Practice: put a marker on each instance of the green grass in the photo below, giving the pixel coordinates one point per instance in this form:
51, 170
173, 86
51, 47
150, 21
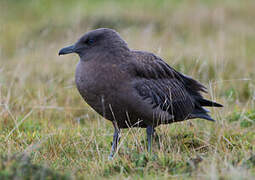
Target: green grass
43, 117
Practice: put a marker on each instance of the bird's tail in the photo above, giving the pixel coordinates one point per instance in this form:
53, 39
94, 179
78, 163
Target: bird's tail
205, 102
201, 113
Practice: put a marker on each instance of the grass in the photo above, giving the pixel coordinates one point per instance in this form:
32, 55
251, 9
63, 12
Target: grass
43, 117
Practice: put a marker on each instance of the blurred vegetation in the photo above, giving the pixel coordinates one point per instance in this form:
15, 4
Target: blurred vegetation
20, 167
43, 116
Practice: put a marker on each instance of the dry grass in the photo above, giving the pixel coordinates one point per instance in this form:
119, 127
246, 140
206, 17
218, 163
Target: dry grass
43, 116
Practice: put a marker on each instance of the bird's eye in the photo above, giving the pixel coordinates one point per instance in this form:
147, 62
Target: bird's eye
89, 41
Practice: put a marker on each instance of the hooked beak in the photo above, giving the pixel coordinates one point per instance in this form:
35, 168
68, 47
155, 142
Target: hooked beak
67, 50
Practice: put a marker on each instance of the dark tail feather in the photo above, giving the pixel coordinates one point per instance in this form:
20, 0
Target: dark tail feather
201, 113
205, 102
203, 116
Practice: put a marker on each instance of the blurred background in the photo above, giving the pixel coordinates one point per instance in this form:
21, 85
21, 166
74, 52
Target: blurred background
211, 40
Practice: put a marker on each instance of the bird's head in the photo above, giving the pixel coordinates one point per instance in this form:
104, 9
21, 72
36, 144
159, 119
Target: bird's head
97, 41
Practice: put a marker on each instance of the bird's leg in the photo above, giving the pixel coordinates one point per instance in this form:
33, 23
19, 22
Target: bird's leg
150, 132
114, 142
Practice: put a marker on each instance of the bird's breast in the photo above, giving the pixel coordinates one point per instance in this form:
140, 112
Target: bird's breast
99, 85
93, 77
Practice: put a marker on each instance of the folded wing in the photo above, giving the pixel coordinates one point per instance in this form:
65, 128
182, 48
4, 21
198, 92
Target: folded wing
169, 90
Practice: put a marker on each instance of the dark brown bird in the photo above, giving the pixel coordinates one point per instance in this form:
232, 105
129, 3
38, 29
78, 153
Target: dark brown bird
133, 88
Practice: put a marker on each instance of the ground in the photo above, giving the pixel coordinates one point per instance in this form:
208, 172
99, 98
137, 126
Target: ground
47, 130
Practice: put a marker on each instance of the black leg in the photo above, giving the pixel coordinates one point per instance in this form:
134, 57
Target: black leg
114, 143
150, 132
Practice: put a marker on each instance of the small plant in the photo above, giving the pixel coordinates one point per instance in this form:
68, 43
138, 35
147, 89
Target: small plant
246, 119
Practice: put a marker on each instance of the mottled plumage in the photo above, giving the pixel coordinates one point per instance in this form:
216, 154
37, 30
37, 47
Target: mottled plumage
133, 88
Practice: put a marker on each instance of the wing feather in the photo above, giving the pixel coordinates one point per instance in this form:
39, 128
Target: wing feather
166, 88
168, 95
